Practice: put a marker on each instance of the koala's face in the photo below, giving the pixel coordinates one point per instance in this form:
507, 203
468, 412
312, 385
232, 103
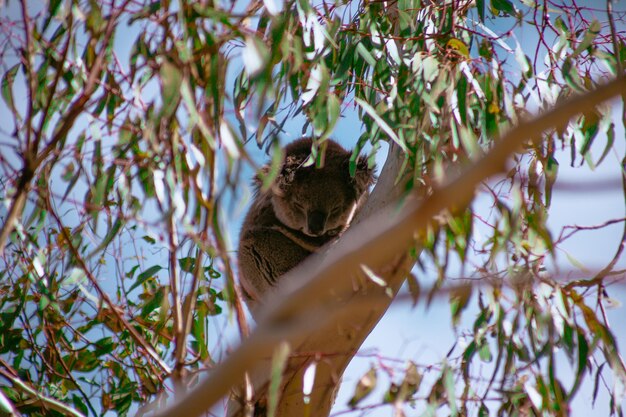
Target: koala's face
320, 202
316, 205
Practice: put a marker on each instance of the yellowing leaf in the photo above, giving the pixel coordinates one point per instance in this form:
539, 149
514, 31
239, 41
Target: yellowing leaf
458, 46
171, 79
364, 387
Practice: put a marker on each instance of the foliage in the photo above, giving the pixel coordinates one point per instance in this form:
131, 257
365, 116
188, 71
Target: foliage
123, 151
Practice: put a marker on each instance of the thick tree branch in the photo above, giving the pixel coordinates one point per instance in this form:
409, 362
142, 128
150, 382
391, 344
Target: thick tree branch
376, 241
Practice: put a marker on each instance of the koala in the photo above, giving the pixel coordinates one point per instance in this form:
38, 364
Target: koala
305, 209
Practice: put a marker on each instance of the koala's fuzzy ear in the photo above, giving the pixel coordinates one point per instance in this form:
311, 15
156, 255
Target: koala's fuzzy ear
364, 175
288, 172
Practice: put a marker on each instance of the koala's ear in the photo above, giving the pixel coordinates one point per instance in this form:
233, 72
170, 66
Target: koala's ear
287, 172
364, 175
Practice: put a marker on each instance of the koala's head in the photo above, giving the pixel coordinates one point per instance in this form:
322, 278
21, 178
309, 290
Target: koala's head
319, 201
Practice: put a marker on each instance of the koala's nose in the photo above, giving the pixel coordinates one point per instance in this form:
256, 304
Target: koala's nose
316, 221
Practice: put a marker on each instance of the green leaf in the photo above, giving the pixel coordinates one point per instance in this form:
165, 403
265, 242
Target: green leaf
414, 288
279, 362
53, 9
550, 171
571, 76
596, 383
269, 173
333, 109
132, 271
213, 274
78, 403
484, 352
364, 387
561, 26
304, 7
461, 95
199, 333
449, 385
594, 29
105, 346
459, 298
95, 22
575, 262
504, 6
76, 276
153, 302
468, 354
589, 130
480, 5
148, 273
111, 234
430, 68
609, 60
610, 136
148, 11
583, 356
365, 54
68, 172
342, 72
44, 302
524, 62
381, 123
187, 264
469, 142
86, 361
7, 87
171, 80
149, 239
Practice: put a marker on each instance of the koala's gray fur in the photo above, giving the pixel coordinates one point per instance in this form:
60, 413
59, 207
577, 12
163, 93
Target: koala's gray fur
303, 210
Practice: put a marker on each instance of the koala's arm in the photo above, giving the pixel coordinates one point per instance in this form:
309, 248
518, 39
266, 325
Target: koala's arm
311, 244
